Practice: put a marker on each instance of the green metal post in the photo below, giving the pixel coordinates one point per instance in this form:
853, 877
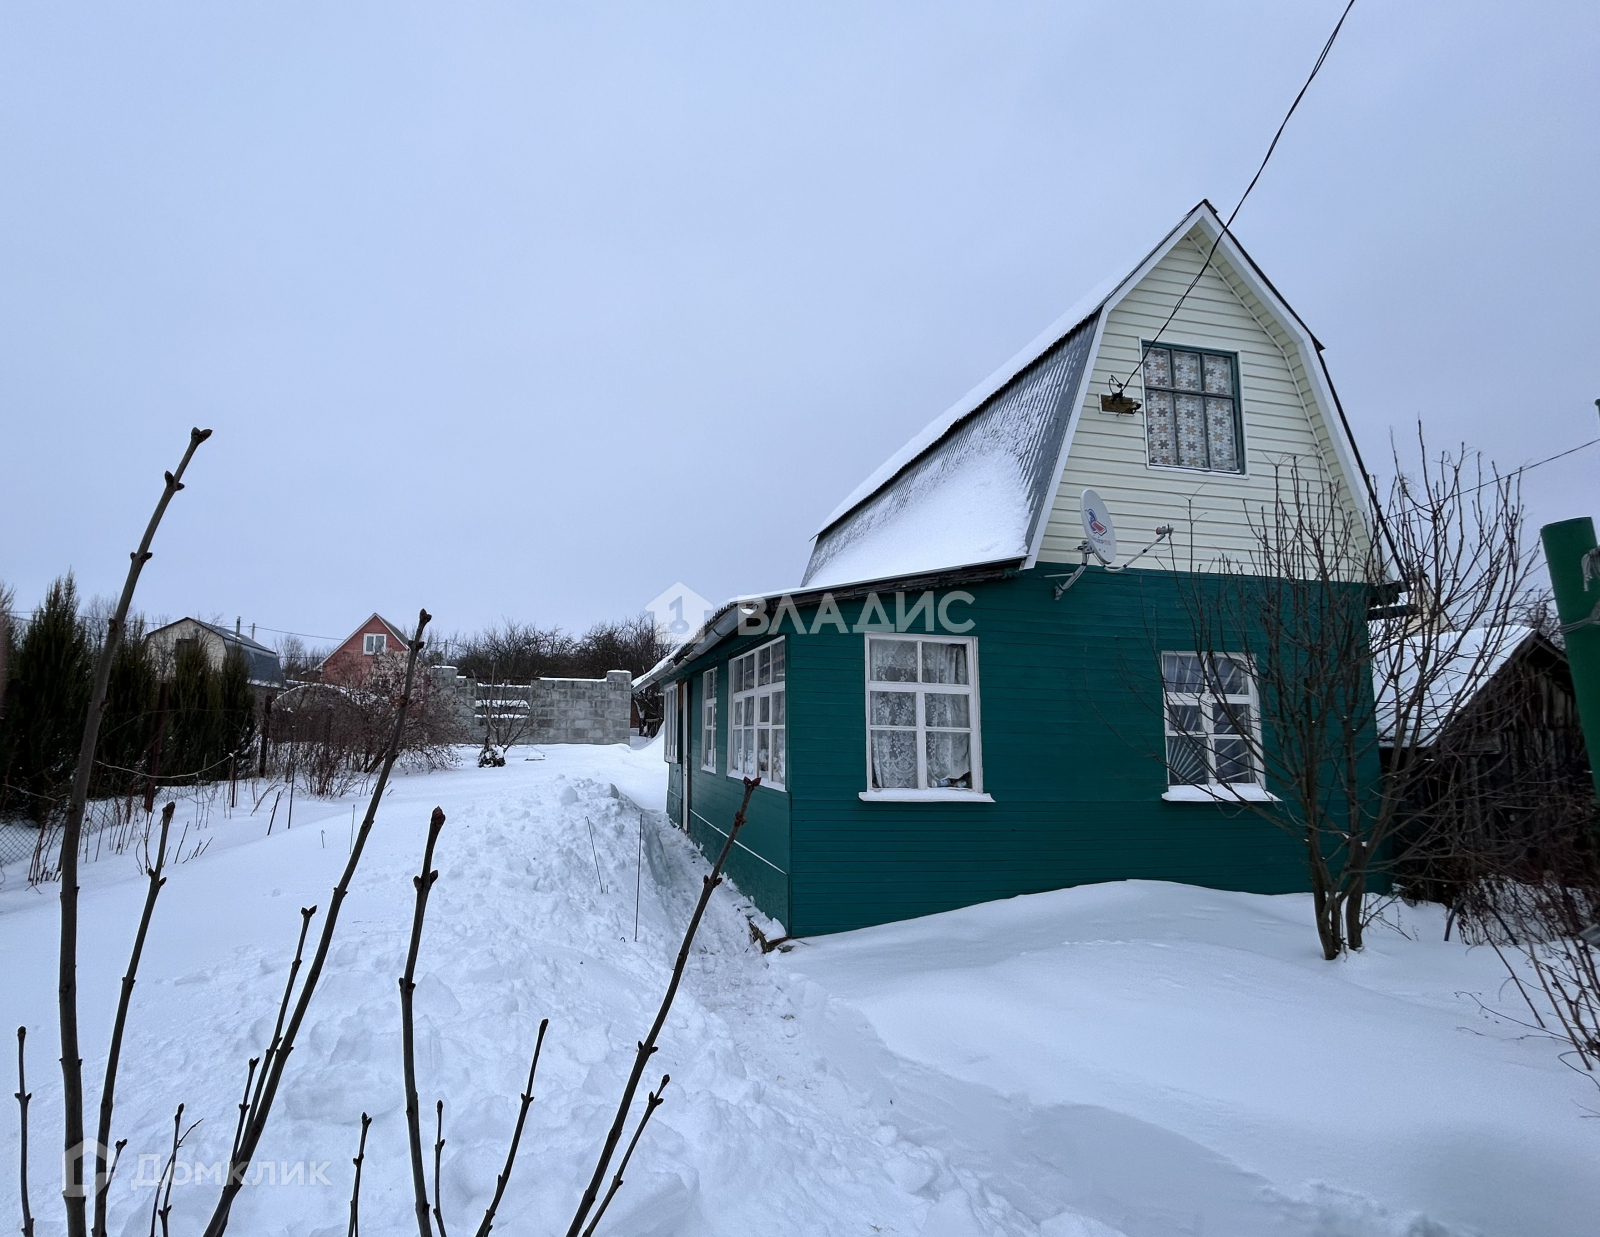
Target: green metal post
1569, 552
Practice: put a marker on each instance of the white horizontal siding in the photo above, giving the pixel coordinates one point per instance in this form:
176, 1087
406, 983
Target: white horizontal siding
1283, 423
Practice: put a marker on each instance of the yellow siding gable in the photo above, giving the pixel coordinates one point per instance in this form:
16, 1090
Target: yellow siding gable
1284, 422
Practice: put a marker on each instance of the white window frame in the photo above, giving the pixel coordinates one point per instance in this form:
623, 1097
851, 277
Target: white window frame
669, 724
747, 702
1218, 714
922, 792
708, 720
373, 643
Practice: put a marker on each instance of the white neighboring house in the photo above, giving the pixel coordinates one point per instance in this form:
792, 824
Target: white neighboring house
261, 663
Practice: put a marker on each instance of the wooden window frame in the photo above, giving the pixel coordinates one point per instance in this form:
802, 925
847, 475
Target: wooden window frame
1145, 347
670, 721
373, 643
743, 701
708, 720
923, 792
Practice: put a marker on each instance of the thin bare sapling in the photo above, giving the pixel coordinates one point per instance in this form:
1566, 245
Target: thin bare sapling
73, 1189
23, 1096
108, 1088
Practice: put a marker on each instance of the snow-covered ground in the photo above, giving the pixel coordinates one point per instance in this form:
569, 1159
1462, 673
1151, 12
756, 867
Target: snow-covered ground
1135, 1058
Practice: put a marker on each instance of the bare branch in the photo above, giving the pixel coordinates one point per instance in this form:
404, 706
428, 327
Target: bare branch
355, 1188
23, 1096
119, 1024
516, 1137
438, 1151
423, 883
71, 837
652, 1102
273, 1071
647, 1046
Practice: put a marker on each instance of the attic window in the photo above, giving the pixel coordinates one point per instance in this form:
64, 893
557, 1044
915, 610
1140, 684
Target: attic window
1191, 409
373, 643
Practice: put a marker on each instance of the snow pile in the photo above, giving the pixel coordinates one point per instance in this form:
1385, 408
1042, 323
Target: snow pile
1168, 1059
1133, 1059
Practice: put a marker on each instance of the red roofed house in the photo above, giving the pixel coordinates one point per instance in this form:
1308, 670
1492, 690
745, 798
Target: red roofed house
351, 664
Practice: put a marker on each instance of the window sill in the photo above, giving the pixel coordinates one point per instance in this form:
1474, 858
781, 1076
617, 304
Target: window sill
1240, 792
774, 786
942, 795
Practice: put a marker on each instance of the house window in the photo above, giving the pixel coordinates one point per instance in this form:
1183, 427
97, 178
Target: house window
669, 723
372, 643
922, 715
708, 721
758, 729
1191, 409
1213, 720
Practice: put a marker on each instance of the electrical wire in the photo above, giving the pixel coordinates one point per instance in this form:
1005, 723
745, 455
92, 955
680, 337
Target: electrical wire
1228, 223
1530, 467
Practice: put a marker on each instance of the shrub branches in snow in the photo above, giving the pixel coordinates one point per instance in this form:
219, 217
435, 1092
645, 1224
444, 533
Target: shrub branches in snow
355, 1186
408, 987
71, 1062
504, 1178
272, 1070
108, 1088
587, 1208
23, 1096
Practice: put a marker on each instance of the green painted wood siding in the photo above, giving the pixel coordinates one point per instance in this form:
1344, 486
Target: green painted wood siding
1073, 755
759, 864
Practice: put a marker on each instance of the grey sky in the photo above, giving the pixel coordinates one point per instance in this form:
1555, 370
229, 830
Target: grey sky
530, 312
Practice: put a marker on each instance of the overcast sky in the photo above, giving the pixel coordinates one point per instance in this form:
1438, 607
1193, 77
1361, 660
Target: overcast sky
524, 311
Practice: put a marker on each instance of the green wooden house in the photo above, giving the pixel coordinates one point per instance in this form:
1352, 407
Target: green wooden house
935, 721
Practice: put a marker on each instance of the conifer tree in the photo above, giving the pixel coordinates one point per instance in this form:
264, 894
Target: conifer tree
195, 728
130, 718
46, 704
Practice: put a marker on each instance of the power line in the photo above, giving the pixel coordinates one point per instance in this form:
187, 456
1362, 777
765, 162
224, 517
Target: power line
1530, 467
1228, 223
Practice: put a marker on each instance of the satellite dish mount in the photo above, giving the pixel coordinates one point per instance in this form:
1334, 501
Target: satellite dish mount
1100, 540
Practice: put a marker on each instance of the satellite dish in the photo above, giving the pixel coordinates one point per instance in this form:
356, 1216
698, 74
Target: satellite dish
1098, 530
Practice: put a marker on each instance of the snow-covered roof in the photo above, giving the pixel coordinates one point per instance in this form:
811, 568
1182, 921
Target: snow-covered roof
1460, 665
977, 497
976, 484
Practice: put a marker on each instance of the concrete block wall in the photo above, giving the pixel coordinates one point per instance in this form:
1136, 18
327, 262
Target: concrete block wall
563, 710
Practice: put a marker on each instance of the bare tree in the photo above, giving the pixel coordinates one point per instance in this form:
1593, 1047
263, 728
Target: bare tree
506, 711
1327, 659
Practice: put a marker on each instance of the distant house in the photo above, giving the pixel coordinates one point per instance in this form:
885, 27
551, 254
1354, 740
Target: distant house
261, 663
1505, 750
936, 720
351, 663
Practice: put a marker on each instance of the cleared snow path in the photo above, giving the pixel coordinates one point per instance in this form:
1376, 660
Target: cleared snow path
758, 1135
1137, 1059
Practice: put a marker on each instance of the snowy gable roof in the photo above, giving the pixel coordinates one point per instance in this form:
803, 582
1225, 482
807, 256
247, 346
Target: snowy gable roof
975, 492
975, 486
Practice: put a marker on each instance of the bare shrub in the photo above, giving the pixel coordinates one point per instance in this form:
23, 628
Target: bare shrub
1361, 629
